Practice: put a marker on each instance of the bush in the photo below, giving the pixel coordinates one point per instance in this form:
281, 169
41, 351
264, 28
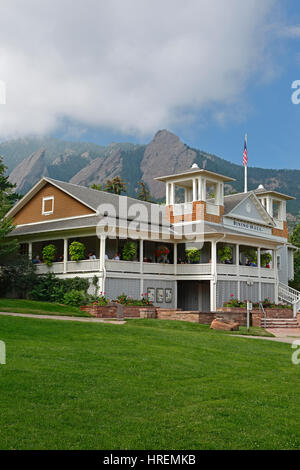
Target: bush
17, 277
49, 288
49, 252
77, 251
75, 298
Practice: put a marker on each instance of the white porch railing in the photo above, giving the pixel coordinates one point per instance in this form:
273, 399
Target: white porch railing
134, 267
196, 269
122, 266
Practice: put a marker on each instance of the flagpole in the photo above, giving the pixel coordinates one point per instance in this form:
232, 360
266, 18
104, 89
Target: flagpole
246, 168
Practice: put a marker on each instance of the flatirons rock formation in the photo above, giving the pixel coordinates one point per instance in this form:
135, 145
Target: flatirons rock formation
29, 171
165, 155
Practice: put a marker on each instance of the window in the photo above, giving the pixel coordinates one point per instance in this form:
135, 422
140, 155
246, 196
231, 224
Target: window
48, 205
278, 262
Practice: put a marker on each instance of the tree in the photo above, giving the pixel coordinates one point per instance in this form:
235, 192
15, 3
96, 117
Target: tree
295, 240
144, 193
115, 186
8, 197
97, 187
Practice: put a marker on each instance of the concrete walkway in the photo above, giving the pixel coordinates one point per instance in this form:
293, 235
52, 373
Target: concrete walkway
282, 335
61, 317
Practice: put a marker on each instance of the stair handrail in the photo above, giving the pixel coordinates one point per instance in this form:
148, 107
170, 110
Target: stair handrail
265, 314
291, 290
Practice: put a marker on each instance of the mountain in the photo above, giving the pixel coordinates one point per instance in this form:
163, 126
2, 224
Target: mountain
87, 163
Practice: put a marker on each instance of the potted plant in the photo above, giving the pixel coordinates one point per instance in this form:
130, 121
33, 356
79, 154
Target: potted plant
225, 254
76, 251
193, 255
266, 259
49, 252
162, 254
129, 252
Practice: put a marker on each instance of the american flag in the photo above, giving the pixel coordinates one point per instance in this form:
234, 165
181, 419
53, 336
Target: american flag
245, 154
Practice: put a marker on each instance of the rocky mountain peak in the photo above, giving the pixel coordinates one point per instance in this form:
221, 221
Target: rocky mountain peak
29, 171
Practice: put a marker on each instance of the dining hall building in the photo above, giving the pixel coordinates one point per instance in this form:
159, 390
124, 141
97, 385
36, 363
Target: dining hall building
239, 241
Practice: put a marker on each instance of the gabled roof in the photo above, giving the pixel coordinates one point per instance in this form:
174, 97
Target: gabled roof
232, 202
91, 198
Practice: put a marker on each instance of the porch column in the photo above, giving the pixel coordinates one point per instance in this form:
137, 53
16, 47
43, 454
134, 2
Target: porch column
102, 264
167, 194
213, 282
102, 253
172, 196
30, 250
276, 276
259, 273
175, 259
195, 198
141, 266
199, 189
66, 254
237, 255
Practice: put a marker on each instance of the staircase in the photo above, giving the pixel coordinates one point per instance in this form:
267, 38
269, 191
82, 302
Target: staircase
289, 295
280, 323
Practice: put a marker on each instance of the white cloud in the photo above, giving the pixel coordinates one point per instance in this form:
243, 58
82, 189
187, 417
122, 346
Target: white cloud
129, 65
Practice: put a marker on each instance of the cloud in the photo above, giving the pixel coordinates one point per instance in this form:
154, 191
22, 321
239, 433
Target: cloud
129, 65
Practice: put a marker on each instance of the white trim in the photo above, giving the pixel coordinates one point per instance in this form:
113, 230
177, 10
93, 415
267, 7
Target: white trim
45, 199
259, 206
57, 220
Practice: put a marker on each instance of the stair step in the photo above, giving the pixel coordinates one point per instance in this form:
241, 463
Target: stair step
280, 323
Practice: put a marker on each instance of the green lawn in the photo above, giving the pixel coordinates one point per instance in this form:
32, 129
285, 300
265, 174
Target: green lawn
147, 384
39, 308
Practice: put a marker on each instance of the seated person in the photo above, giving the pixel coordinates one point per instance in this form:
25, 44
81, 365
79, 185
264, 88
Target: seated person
36, 260
116, 257
91, 256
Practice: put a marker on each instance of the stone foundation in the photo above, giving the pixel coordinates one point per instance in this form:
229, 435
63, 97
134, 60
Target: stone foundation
115, 310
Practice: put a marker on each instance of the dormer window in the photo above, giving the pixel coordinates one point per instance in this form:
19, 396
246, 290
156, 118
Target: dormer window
48, 205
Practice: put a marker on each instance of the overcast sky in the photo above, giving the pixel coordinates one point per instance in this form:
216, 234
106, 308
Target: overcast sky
122, 69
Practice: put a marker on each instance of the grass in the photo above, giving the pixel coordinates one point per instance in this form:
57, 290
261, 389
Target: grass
254, 331
39, 308
147, 384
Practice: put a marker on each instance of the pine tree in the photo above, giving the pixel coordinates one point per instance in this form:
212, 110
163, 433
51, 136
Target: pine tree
8, 197
115, 186
144, 193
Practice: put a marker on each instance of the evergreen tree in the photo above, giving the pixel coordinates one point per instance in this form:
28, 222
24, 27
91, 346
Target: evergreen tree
8, 197
295, 240
144, 193
115, 186
97, 187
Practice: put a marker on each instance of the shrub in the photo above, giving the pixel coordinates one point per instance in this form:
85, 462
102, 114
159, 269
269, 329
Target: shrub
75, 298
129, 252
49, 252
193, 255
18, 277
49, 288
77, 251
